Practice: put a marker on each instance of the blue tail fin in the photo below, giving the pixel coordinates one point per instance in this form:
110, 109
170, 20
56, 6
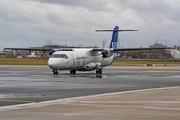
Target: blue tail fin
114, 40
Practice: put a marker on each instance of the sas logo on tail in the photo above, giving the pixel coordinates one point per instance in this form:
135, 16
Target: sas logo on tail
114, 44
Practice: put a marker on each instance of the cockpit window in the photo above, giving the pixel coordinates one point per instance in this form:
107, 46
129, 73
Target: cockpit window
65, 56
59, 56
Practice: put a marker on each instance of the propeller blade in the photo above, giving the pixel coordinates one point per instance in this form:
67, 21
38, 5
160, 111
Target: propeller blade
103, 44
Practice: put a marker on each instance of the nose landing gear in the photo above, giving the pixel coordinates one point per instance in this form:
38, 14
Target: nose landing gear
55, 72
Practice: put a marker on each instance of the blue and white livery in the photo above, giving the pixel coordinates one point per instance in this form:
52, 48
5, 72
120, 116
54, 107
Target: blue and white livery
85, 59
89, 59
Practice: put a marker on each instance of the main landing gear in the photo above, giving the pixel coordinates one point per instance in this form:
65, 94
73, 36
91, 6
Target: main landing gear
72, 72
55, 72
98, 71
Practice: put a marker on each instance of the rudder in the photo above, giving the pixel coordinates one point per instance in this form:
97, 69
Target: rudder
114, 40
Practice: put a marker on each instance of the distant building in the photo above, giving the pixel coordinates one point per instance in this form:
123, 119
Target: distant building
2, 54
175, 52
148, 54
158, 46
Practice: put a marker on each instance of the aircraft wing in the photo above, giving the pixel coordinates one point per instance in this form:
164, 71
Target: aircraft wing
30, 49
40, 49
131, 49
94, 49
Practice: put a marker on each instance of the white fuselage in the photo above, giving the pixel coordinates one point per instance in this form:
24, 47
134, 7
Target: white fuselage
78, 59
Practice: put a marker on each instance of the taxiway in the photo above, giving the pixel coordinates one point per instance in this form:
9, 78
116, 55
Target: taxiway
130, 93
31, 84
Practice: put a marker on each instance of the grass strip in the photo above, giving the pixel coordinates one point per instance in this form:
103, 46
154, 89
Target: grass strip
23, 61
39, 61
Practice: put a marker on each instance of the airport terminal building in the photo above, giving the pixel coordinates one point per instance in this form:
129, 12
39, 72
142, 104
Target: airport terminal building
148, 54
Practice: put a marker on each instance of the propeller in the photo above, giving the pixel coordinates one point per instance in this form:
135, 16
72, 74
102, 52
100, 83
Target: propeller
105, 51
103, 44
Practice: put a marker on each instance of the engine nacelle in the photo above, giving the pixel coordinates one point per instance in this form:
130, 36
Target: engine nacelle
106, 53
92, 66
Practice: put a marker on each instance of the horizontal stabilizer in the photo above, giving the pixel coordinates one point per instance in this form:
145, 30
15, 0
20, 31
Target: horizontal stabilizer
114, 30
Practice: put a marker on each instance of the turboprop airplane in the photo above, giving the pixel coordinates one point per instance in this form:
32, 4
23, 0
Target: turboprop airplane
89, 59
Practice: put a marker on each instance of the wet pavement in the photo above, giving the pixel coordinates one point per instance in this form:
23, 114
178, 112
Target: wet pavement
127, 93
30, 84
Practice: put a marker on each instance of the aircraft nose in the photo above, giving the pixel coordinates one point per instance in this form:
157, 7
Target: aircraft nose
52, 63
58, 64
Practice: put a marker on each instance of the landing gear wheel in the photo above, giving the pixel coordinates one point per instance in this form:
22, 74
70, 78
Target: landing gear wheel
55, 72
98, 71
72, 72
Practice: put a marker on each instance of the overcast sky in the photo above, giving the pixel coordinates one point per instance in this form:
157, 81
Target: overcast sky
27, 23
